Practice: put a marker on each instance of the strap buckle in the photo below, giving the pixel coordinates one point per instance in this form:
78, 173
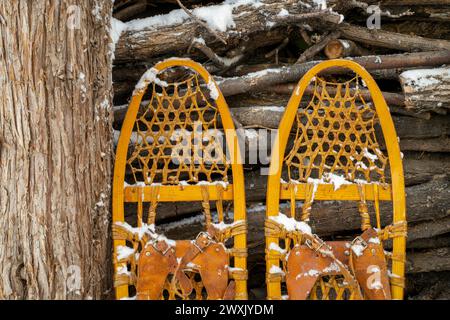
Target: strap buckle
359, 241
310, 244
201, 235
154, 244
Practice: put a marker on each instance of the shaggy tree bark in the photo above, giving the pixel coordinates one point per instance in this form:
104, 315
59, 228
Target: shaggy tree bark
55, 149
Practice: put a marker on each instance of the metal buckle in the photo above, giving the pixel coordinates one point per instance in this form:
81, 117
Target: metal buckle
200, 235
360, 241
154, 244
321, 243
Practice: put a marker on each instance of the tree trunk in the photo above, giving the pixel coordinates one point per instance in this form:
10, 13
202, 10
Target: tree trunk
55, 149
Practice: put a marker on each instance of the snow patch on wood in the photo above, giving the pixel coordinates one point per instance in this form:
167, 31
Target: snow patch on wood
290, 224
150, 76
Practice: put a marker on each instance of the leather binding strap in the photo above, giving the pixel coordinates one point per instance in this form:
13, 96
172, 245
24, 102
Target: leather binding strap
368, 264
198, 246
363, 209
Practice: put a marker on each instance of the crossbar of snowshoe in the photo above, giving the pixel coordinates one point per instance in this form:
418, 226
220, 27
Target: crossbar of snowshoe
176, 193
327, 192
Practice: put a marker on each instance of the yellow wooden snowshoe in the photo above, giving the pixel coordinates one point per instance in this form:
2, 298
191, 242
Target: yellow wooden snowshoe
170, 150
335, 155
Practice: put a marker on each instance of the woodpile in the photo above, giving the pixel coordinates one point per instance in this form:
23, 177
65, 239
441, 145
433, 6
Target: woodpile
258, 56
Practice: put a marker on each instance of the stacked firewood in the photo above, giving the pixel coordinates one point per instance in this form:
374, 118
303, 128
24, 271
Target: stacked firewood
258, 49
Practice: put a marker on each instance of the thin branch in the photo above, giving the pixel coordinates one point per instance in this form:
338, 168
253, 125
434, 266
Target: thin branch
305, 36
277, 49
324, 15
202, 23
216, 59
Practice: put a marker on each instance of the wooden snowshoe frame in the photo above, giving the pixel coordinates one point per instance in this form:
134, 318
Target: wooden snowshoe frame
334, 134
147, 138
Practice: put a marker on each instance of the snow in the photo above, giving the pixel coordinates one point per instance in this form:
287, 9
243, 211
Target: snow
123, 270
331, 178
321, 4
117, 28
218, 17
358, 249
160, 237
192, 265
369, 155
310, 273
213, 91
223, 226
336, 180
137, 184
361, 164
214, 183
345, 44
275, 247
231, 269
150, 76
290, 224
264, 72
374, 240
423, 78
274, 108
283, 13
333, 267
123, 252
140, 231
276, 270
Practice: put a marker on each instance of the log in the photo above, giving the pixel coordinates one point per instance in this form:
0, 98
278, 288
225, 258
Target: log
392, 40
266, 78
339, 48
243, 69
414, 128
429, 243
138, 44
423, 234
428, 285
422, 170
426, 89
130, 12
427, 145
429, 260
